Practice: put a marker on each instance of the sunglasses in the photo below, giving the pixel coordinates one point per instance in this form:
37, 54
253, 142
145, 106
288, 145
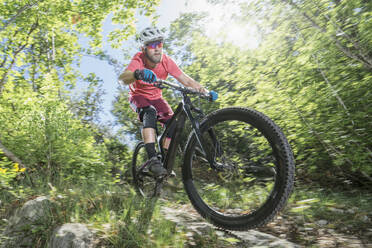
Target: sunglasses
155, 44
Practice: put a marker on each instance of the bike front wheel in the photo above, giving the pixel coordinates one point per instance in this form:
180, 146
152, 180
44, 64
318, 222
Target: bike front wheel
255, 169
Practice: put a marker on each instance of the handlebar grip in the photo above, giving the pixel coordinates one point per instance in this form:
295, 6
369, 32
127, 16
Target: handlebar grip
213, 95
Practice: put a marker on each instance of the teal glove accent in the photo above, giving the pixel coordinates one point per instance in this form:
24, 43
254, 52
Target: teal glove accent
213, 95
145, 75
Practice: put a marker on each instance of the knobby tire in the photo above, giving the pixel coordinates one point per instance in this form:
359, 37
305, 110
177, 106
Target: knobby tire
204, 185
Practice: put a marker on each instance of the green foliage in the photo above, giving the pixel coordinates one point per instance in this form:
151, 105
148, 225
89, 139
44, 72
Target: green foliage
340, 210
87, 106
311, 74
56, 136
130, 124
51, 133
8, 173
42, 122
308, 75
119, 217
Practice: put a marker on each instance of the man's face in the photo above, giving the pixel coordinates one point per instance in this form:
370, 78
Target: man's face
154, 51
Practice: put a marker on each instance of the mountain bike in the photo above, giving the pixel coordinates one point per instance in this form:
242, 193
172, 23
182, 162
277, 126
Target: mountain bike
238, 168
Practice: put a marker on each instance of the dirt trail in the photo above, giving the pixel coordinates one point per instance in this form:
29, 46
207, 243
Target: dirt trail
188, 218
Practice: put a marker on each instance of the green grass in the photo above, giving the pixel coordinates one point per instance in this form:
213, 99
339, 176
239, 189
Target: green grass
339, 208
313, 208
120, 218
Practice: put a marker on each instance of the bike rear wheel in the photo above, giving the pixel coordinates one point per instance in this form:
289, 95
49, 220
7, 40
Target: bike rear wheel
144, 183
255, 169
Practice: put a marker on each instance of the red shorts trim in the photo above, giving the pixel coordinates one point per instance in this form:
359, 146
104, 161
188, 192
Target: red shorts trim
164, 111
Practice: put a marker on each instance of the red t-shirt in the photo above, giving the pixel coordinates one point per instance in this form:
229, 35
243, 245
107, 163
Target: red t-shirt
162, 69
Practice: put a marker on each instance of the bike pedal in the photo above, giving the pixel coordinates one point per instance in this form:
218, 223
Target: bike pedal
172, 174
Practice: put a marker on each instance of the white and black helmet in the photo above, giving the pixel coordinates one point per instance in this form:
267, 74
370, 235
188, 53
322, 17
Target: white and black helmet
150, 34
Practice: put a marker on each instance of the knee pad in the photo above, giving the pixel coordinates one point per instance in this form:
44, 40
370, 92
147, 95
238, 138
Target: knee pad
149, 117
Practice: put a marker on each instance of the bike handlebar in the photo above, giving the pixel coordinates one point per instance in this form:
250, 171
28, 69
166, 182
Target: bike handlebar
211, 95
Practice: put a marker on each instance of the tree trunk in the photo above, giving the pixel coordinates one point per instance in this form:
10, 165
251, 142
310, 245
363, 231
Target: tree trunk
11, 156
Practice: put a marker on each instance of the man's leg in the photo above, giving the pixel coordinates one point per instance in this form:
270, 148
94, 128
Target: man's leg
165, 113
149, 130
166, 142
168, 138
149, 136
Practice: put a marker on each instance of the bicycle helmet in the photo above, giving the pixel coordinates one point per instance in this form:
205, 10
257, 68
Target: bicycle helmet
150, 34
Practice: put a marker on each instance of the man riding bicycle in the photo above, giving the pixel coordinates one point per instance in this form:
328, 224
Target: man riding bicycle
145, 68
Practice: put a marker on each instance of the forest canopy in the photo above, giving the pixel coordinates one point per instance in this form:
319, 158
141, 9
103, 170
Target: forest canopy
310, 73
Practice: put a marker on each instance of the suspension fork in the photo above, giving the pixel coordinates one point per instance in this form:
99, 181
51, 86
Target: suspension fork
217, 146
196, 127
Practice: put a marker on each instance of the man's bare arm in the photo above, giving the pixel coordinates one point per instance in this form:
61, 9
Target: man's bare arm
127, 77
189, 82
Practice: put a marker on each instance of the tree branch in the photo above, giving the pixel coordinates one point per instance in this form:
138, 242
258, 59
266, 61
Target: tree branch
26, 7
334, 92
358, 48
2, 80
343, 49
4, 61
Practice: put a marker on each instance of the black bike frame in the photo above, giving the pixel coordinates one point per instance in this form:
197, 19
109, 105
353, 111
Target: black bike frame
184, 110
